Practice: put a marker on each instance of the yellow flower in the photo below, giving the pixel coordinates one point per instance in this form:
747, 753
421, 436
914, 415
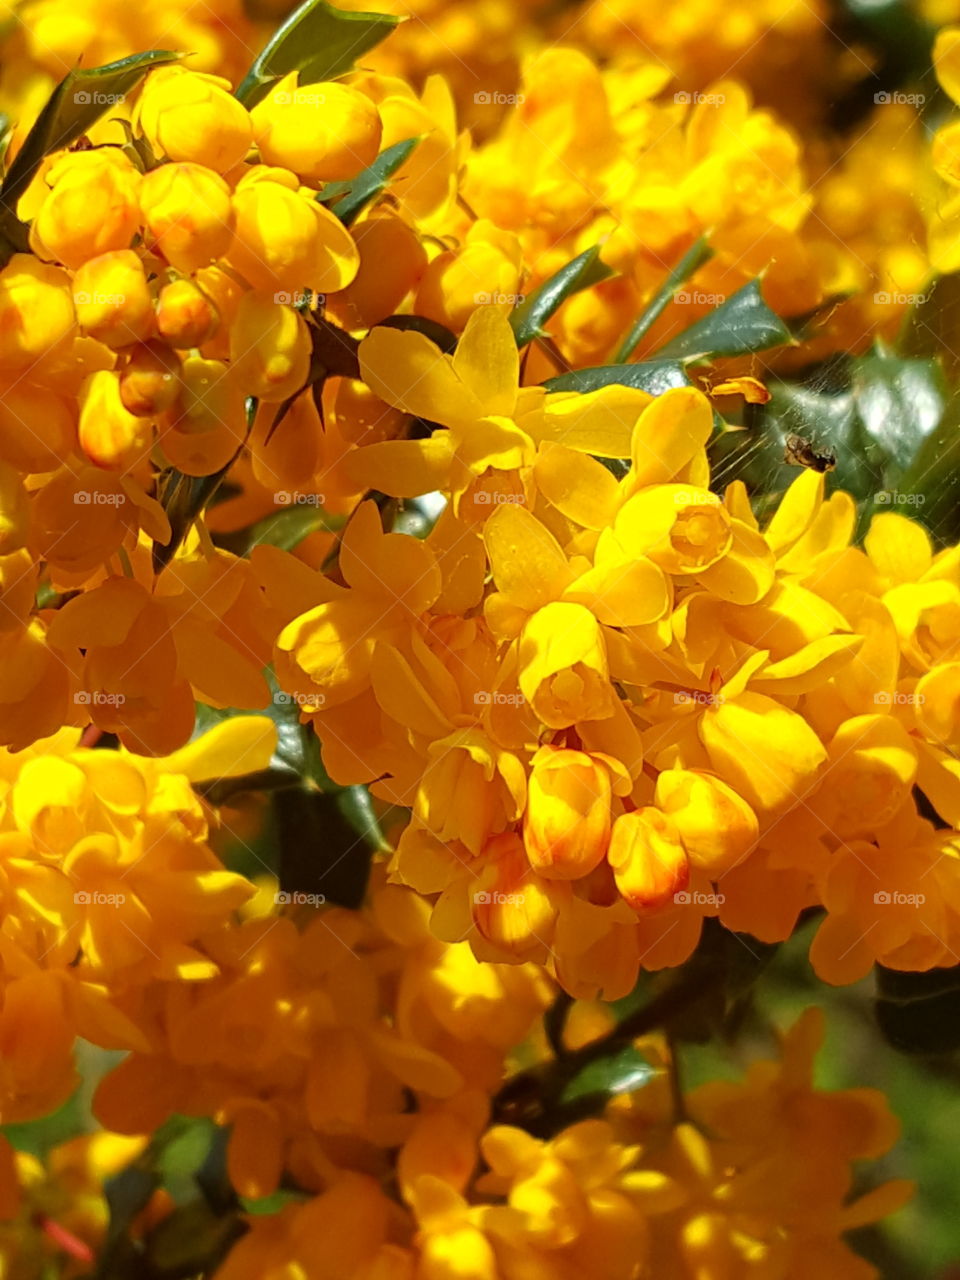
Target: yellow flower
322, 132
187, 211
566, 826
188, 116
112, 299
92, 207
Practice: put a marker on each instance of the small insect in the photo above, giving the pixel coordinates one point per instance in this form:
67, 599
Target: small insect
800, 452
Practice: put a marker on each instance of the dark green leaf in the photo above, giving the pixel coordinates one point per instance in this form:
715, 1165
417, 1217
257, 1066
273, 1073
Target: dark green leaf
622, 1072
184, 498
744, 323
191, 1241
78, 101
695, 257
900, 402
288, 527
932, 482
320, 852
348, 199
531, 315
438, 333
317, 40
654, 376
919, 1012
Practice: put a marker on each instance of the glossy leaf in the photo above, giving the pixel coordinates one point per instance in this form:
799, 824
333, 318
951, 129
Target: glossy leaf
78, 101
349, 198
744, 323
317, 40
584, 271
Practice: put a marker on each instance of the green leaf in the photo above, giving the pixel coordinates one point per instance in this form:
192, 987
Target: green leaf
654, 376
622, 1072
826, 416
317, 40
919, 1012
348, 199
320, 852
184, 498
582, 272
78, 101
695, 257
900, 402
288, 527
190, 1241
744, 323
932, 481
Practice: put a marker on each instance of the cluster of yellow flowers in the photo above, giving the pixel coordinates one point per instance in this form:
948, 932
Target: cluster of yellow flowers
597, 701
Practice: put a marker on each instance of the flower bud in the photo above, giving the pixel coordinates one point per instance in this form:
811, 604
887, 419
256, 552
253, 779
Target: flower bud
112, 298
716, 825
269, 348
36, 311
566, 826
321, 131
185, 315
648, 859
150, 381
392, 258
286, 241
93, 207
510, 907
189, 116
188, 212
563, 665
38, 429
13, 510
110, 435
207, 426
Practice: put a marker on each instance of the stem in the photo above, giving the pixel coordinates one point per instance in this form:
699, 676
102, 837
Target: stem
695, 257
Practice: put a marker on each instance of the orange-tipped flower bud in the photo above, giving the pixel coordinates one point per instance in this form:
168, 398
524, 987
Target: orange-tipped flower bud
189, 116
188, 212
110, 435
185, 315
14, 513
648, 858
36, 310
511, 907
150, 381
112, 299
93, 207
716, 825
566, 827
322, 131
